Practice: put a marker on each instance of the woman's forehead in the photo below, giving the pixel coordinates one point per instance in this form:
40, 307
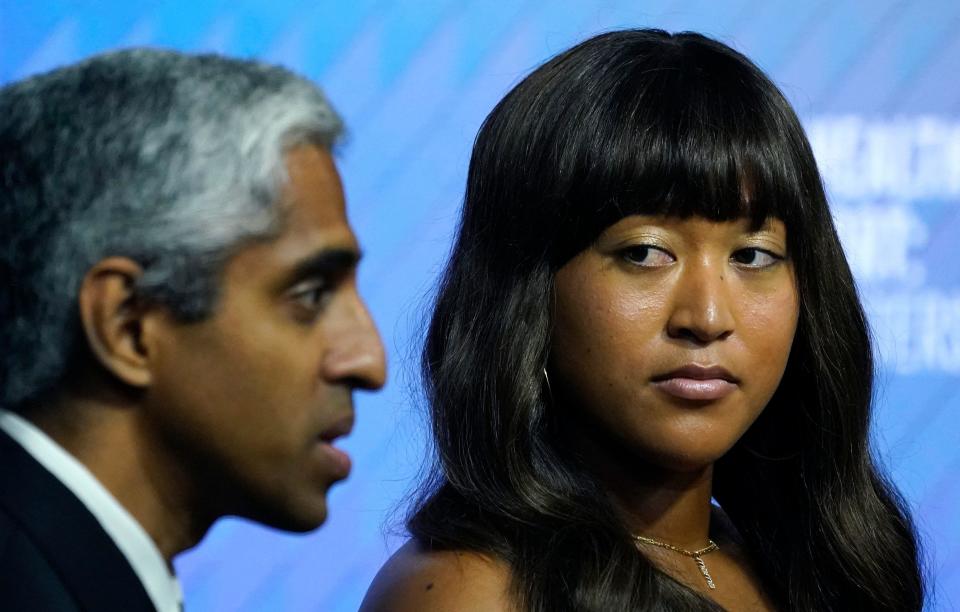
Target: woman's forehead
743, 223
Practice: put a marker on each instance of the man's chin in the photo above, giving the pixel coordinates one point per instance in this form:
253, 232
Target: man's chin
300, 519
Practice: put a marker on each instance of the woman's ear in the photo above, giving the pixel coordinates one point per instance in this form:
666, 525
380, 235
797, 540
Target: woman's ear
113, 319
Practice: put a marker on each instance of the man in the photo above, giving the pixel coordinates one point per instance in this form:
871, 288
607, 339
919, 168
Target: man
179, 317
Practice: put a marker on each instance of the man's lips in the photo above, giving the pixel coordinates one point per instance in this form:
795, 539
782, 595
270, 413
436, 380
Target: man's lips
340, 460
339, 428
697, 382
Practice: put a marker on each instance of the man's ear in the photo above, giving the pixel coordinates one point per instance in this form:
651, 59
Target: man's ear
113, 319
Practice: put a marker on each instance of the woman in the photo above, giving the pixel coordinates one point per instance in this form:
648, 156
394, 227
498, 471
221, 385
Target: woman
648, 307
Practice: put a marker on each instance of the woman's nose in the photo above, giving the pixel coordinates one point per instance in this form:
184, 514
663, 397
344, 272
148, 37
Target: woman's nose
702, 309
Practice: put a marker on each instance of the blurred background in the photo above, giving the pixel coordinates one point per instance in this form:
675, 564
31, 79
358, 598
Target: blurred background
876, 82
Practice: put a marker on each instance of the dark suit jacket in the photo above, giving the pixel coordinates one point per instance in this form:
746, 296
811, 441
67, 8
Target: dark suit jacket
54, 555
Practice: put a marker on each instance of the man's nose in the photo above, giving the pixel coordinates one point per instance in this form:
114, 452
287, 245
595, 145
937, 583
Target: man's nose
702, 310
356, 356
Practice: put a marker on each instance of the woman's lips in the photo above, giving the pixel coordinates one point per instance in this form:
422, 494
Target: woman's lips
697, 382
696, 389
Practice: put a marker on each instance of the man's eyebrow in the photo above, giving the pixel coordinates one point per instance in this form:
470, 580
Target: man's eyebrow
325, 263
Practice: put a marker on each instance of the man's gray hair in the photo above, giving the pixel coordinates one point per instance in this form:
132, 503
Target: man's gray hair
172, 160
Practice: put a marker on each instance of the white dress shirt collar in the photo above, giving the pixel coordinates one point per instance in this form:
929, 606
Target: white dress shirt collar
128, 535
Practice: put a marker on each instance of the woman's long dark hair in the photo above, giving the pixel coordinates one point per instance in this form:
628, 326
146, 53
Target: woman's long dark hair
642, 121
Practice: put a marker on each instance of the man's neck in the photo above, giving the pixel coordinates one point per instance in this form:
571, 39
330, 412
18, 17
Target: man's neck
109, 440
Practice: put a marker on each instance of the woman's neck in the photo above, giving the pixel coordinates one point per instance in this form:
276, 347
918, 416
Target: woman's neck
669, 506
673, 510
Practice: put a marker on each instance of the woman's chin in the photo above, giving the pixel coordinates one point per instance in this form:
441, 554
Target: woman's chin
686, 456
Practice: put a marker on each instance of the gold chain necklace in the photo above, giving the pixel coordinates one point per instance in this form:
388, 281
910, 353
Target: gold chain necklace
696, 555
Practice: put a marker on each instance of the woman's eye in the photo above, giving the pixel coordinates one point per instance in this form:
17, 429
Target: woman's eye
647, 256
756, 258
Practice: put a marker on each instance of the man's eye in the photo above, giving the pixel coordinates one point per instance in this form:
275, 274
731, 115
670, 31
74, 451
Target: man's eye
756, 258
647, 256
311, 297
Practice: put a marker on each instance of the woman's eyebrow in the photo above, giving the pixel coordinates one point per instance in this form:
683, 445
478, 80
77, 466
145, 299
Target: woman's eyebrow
768, 226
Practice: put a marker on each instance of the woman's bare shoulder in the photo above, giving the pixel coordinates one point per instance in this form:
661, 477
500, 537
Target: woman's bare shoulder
421, 580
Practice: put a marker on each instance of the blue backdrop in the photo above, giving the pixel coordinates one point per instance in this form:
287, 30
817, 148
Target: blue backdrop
876, 83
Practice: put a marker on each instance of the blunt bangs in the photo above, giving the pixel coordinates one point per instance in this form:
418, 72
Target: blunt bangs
638, 131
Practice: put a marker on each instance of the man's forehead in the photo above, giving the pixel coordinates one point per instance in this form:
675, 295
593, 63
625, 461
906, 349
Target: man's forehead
313, 224
313, 203
312, 174
296, 255
308, 240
